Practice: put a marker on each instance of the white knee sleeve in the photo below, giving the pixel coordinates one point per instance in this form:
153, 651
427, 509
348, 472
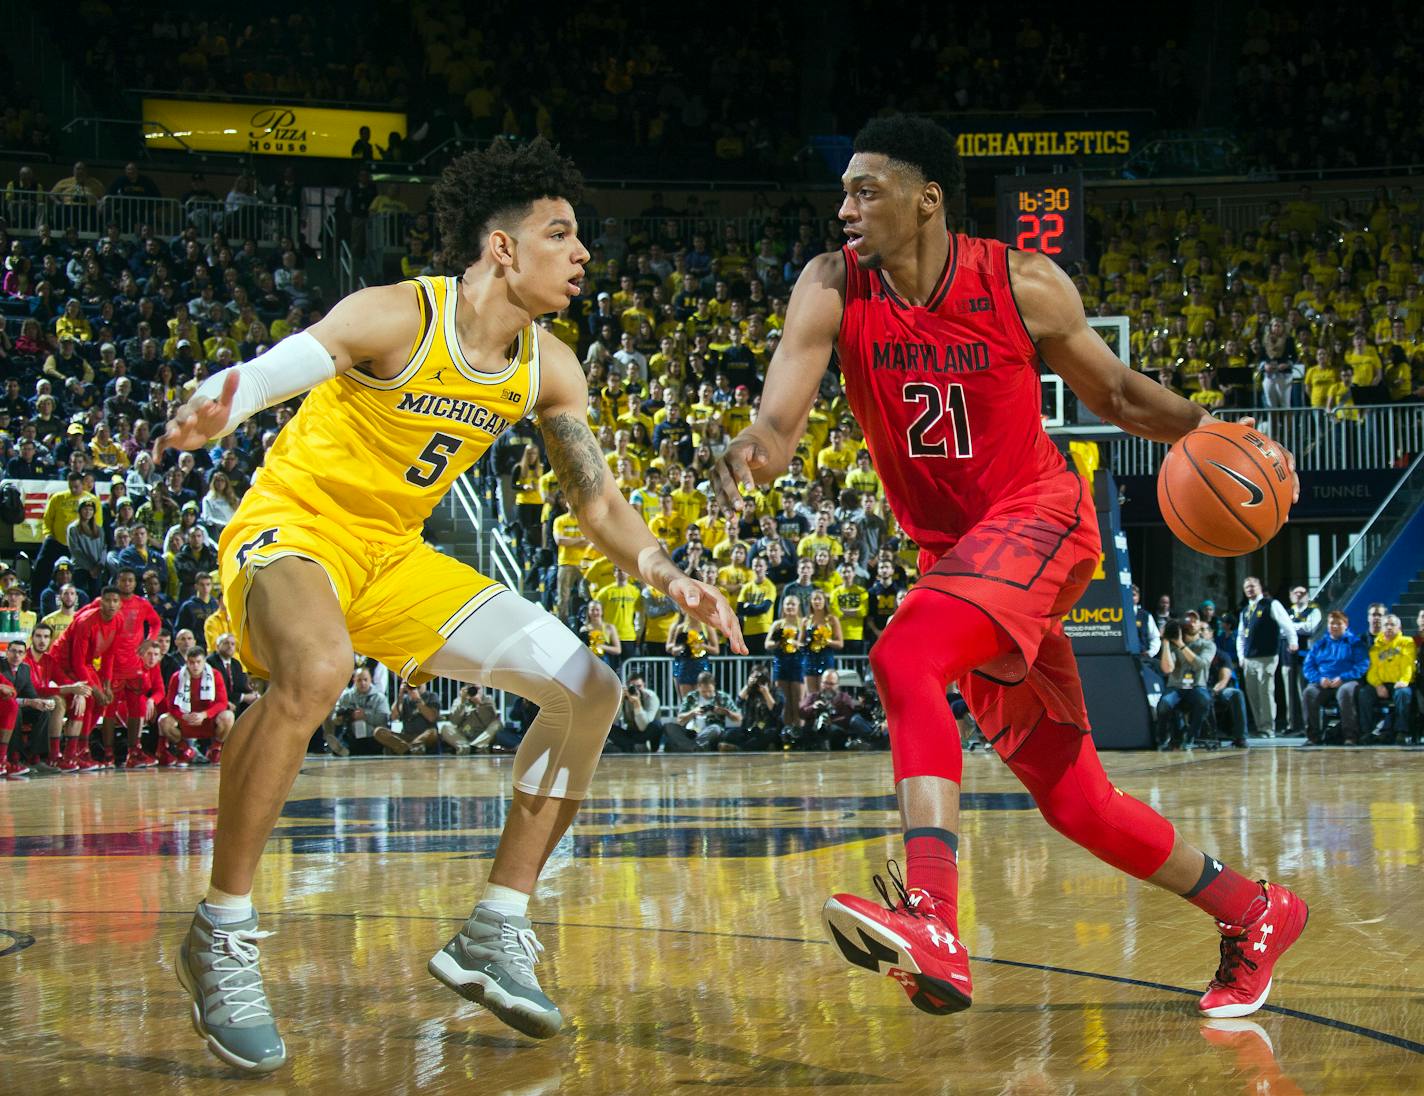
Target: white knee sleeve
514, 645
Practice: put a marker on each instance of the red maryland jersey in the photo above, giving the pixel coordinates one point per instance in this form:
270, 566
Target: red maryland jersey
948, 394
88, 640
139, 622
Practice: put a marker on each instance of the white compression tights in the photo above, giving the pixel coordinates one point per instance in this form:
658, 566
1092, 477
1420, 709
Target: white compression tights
513, 644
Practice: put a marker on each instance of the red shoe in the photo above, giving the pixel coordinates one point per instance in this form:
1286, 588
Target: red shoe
83, 763
215, 753
910, 941
167, 759
1248, 955
136, 759
15, 768
65, 763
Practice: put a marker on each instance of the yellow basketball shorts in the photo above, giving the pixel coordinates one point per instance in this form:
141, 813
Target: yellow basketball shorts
401, 599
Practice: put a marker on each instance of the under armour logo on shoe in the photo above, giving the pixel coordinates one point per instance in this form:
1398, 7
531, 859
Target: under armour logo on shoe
942, 938
905, 978
1266, 931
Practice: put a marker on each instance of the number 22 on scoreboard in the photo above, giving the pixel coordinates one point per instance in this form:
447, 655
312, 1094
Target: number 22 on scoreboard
1038, 233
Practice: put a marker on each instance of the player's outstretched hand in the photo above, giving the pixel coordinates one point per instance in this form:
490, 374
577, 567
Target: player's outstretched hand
735, 469
198, 420
1250, 421
709, 605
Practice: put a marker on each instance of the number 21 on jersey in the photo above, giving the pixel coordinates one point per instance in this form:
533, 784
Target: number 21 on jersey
947, 407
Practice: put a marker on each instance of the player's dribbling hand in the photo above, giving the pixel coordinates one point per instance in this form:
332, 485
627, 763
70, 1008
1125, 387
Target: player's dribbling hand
1250, 421
709, 605
198, 420
734, 470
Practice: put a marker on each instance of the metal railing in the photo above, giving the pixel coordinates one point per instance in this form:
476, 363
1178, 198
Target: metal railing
730, 671
466, 511
1380, 531
504, 560
1365, 437
264, 222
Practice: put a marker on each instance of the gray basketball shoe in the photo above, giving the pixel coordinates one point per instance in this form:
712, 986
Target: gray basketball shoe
491, 961
217, 965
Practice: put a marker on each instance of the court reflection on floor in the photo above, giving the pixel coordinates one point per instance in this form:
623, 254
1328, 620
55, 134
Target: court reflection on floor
683, 941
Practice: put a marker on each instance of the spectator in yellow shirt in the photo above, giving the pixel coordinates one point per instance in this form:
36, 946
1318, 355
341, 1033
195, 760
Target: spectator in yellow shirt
620, 601
820, 539
863, 477
1391, 672
573, 547
688, 501
756, 604
668, 525
1365, 360
736, 574
1320, 378
837, 456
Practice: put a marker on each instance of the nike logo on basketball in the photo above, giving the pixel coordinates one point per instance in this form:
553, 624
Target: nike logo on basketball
1256, 495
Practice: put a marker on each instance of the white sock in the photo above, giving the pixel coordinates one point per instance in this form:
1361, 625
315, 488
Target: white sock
224, 908
504, 900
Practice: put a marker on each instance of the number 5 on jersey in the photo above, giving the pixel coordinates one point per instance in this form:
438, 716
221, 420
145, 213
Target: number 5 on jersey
433, 460
948, 406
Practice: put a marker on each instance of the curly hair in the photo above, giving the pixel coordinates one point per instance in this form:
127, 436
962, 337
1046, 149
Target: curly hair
917, 143
504, 180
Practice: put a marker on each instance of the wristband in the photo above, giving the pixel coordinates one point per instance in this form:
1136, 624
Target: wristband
295, 365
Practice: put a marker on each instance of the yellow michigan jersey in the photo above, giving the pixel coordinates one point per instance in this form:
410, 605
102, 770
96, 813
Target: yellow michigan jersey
382, 453
354, 475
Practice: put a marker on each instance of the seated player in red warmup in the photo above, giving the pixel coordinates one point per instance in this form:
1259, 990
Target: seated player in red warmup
151, 705
70, 699
197, 705
938, 336
84, 655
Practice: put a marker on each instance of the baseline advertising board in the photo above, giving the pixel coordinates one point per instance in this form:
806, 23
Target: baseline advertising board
1100, 621
264, 129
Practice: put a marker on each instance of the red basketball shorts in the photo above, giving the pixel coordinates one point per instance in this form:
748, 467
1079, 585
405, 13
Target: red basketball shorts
1025, 564
129, 700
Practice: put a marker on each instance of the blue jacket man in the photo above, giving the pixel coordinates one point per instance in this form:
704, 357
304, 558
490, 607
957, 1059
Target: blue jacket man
1345, 656
1334, 667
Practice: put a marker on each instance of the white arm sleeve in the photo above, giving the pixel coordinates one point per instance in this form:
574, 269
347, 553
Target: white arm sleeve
295, 365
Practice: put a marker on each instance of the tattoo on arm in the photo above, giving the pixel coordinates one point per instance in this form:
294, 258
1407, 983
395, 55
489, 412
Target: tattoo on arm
575, 458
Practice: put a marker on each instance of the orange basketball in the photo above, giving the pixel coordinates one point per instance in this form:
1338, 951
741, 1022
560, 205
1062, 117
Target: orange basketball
1224, 489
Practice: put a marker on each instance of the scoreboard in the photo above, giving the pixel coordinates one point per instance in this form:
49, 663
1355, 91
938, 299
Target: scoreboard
1043, 213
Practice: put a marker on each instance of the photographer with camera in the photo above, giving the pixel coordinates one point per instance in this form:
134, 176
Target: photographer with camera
708, 712
418, 709
761, 702
637, 724
360, 712
472, 721
1186, 659
832, 717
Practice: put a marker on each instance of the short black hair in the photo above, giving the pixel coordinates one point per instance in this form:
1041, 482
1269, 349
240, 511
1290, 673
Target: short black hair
107, 590
918, 143
503, 179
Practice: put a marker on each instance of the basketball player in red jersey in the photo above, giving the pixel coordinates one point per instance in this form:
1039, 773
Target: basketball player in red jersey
85, 655
139, 622
938, 336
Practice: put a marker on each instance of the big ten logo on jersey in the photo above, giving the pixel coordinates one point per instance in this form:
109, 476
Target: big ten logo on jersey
974, 304
512, 396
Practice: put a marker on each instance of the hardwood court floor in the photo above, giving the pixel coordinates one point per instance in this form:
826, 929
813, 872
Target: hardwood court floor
683, 939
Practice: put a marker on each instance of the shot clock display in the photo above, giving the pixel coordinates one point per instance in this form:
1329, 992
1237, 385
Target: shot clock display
1043, 213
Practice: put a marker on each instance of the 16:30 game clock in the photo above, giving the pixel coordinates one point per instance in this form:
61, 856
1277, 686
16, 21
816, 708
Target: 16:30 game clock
1043, 213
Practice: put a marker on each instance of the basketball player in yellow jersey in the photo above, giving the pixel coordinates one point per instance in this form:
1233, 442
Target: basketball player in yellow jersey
410, 383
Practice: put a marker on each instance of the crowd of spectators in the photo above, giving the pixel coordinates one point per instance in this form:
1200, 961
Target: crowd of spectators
1267, 669
1320, 305
1308, 97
